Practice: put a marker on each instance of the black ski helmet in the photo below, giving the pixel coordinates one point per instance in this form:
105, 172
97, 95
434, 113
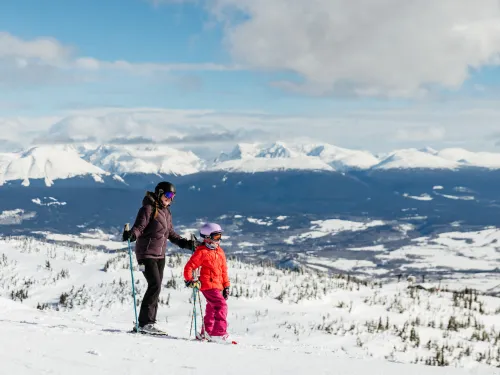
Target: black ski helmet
164, 187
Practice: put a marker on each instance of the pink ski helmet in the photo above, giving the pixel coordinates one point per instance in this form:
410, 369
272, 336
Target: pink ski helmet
211, 231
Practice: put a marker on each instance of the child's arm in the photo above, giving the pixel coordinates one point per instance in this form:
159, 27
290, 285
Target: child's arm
193, 263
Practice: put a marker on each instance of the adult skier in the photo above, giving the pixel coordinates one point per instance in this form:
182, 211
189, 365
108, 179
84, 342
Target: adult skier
151, 229
213, 282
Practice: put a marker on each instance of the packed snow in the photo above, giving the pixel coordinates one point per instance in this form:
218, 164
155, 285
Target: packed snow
15, 217
451, 251
369, 248
421, 197
94, 238
48, 201
67, 308
322, 228
458, 197
259, 221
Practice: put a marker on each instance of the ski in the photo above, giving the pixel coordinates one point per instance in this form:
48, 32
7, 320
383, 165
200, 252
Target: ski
207, 339
150, 334
232, 342
167, 336
158, 335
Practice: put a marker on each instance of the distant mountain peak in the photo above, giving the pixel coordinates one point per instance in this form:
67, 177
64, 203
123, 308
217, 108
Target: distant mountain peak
48, 162
415, 159
153, 159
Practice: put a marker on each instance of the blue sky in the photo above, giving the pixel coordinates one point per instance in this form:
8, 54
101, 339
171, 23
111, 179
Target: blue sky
137, 32
405, 73
140, 32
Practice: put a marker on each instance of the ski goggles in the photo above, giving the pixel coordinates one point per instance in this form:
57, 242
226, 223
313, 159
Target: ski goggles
213, 236
169, 195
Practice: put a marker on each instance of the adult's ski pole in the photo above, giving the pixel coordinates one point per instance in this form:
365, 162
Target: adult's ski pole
127, 227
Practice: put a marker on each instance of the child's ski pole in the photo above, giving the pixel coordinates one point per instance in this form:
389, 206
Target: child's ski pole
194, 313
196, 292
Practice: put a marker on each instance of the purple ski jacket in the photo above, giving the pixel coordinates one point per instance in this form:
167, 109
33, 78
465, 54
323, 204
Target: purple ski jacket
152, 227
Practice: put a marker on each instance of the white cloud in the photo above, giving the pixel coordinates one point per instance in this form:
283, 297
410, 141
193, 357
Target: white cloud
46, 60
420, 134
464, 124
142, 68
47, 50
369, 48
148, 126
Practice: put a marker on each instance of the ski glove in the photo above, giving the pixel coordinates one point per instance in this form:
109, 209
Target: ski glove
193, 244
225, 293
193, 284
128, 235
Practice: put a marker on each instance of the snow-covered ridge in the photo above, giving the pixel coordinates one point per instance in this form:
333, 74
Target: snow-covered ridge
52, 162
280, 155
413, 158
251, 157
143, 159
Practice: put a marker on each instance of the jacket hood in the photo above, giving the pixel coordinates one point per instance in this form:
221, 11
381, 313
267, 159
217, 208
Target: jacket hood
149, 199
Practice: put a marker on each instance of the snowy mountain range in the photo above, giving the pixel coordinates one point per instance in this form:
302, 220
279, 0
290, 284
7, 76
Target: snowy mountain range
52, 162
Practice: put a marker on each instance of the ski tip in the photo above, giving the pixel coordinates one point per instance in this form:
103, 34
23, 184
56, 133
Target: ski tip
234, 343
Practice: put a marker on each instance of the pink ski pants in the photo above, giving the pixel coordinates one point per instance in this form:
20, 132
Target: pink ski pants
216, 313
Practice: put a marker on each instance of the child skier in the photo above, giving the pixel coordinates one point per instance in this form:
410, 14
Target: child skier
213, 282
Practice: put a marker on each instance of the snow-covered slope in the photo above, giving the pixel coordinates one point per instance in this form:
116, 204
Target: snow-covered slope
260, 164
473, 159
342, 158
240, 151
415, 159
144, 159
86, 307
39, 342
49, 162
5, 159
259, 158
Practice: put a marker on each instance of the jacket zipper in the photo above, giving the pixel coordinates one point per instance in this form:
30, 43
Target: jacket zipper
211, 272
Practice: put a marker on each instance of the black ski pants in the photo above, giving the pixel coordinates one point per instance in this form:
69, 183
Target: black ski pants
154, 275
